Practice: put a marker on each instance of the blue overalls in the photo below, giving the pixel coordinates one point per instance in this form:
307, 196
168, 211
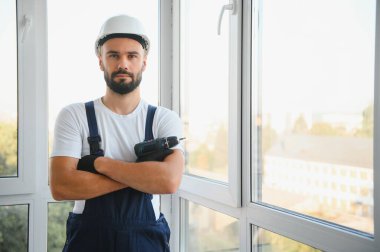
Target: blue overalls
123, 220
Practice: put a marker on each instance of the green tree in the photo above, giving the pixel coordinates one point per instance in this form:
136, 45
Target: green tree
326, 129
14, 228
300, 125
8, 149
201, 158
322, 128
269, 137
57, 216
212, 154
220, 152
367, 123
280, 243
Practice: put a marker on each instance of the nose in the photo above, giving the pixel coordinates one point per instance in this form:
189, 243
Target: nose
123, 63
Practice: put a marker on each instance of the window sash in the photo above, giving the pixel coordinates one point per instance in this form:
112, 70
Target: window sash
30, 123
30, 187
230, 192
305, 229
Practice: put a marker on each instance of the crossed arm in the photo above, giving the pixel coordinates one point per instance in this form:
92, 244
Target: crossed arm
68, 183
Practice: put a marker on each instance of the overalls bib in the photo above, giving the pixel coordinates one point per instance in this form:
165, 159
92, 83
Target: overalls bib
120, 221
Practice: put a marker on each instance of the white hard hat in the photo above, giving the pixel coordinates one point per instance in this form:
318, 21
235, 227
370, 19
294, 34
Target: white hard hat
122, 26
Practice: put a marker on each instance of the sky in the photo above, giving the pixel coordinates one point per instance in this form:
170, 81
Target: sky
8, 63
317, 57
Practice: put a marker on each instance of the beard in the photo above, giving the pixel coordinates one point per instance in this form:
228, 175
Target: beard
123, 87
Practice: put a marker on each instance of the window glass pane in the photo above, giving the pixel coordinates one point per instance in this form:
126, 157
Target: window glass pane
204, 86
266, 241
208, 230
316, 94
74, 74
57, 216
8, 89
14, 228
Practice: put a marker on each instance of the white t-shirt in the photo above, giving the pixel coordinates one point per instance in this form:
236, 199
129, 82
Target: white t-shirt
119, 134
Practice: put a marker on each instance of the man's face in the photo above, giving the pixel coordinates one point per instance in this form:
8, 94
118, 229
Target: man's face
122, 60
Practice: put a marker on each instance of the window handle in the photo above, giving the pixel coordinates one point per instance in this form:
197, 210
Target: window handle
25, 26
231, 7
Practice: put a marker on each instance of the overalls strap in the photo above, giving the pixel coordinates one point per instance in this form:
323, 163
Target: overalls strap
94, 138
149, 130
149, 123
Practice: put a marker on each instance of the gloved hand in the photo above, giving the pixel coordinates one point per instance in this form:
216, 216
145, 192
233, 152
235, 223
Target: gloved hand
155, 155
86, 163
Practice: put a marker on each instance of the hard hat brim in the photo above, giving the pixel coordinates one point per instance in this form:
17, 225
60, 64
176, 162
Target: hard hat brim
136, 37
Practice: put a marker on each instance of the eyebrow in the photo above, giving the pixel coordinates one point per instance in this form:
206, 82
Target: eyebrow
131, 52
112, 52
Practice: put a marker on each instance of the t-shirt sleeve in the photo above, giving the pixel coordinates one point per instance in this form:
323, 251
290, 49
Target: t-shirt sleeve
67, 137
169, 124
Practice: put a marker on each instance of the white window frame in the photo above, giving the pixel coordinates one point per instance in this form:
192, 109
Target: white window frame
229, 193
309, 230
226, 197
297, 227
31, 185
26, 163
166, 86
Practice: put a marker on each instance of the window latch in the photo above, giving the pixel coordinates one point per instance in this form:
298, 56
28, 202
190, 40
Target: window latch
231, 7
25, 26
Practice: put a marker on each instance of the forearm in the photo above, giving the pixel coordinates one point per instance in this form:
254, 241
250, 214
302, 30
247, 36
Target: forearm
84, 185
150, 177
72, 184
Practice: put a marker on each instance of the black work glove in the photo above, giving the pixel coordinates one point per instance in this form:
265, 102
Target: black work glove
159, 155
86, 163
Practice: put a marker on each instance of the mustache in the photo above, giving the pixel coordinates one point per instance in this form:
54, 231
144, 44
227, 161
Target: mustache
122, 72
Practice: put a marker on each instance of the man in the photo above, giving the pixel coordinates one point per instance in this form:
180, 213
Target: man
114, 208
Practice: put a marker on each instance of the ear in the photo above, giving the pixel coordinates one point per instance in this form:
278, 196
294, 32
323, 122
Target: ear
101, 66
144, 63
